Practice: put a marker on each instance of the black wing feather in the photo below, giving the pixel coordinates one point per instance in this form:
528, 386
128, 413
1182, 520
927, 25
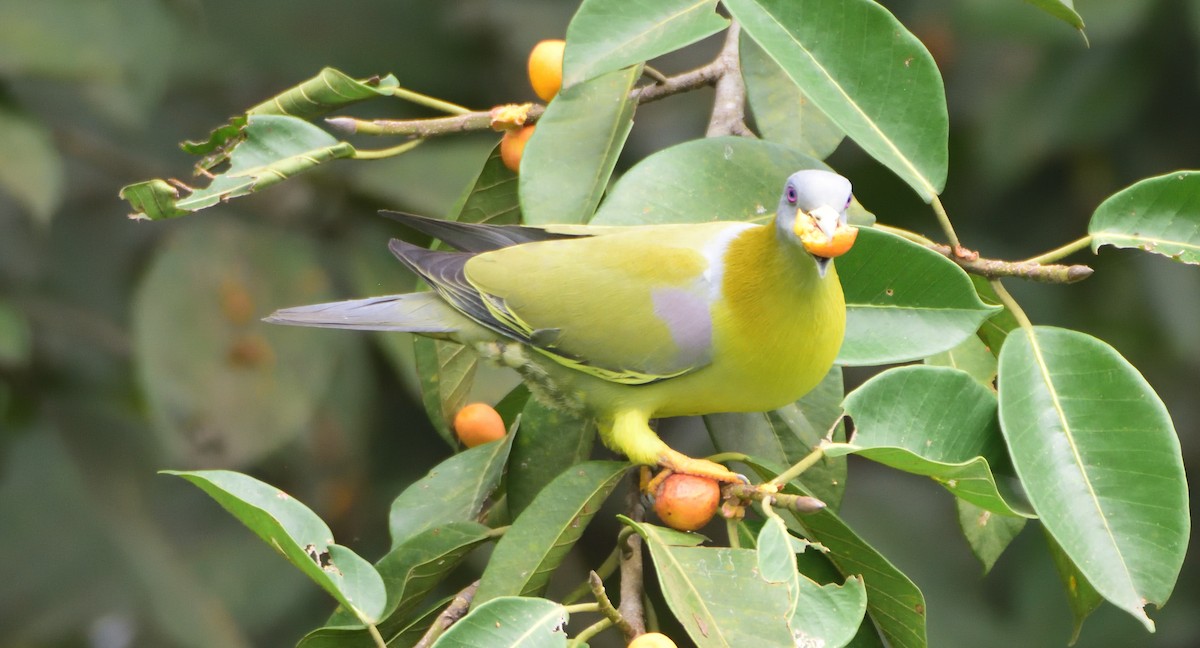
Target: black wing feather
445, 273
475, 237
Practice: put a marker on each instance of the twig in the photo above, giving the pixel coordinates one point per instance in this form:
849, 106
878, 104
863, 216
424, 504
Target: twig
804, 464
1061, 252
596, 628
797, 503
631, 565
453, 612
471, 121
996, 268
700, 77
939, 210
606, 606
729, 106
1011, 304
1036, 269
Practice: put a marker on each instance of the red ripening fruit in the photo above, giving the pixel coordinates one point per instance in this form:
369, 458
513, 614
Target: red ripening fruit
686, 502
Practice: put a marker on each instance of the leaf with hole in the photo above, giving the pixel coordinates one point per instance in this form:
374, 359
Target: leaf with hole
299, 535
1159, 215
269, 149
933, 421
409, 572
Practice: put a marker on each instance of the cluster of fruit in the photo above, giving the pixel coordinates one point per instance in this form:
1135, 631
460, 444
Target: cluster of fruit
545, 75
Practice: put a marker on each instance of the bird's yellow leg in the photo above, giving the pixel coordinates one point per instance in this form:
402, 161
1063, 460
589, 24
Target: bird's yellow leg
629, 433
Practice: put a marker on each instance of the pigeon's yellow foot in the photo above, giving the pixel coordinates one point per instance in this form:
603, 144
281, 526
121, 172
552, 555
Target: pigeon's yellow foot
673, 461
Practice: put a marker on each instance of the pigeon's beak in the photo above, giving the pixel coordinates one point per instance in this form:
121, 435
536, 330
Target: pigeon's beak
826, 219
823, 234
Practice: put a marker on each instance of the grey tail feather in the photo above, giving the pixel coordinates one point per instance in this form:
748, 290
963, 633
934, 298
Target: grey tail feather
413, 312
475, 237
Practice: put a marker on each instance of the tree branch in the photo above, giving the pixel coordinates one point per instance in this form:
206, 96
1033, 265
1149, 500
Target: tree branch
453, 612
705, 75
995, 268
631, 565
729, 106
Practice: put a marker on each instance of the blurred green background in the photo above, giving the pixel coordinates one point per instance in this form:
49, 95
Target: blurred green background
127, 347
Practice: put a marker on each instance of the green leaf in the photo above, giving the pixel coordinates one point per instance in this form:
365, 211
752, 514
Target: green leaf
540, 538
454, 491
709, 179
863, 69
271, 149
932, 421
997, 326
607, 35
1098, 456
894, 603
781, 111
785, 435
716, 592
16, 336
409, 572
447, 371
903, 301
31, 170
329, 90
569, 158
299, 535
821, 615
509, 621
493, 198
971, 356
239, 388
987, 533
1159, 215
551, 441
1064, 10
1082, 598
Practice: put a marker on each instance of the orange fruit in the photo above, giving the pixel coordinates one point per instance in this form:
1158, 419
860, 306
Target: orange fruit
843, 238
546, 68
512, 146
686, 502
652, 640
477, 424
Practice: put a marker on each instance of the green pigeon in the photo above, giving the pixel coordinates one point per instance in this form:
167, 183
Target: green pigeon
629, 324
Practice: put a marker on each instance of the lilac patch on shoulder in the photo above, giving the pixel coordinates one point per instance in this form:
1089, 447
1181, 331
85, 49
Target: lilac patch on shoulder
687, 317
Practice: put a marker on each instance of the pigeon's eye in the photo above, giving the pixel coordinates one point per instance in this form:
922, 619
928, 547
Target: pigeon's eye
848, 199
790, 194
